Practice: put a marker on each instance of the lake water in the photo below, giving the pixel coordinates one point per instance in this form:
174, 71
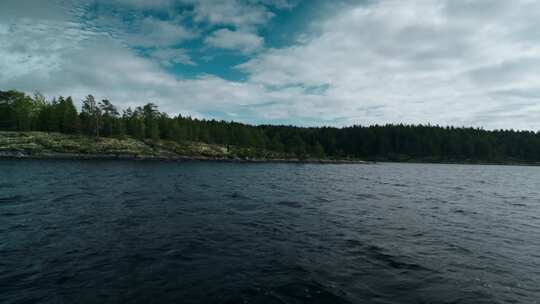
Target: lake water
151, 232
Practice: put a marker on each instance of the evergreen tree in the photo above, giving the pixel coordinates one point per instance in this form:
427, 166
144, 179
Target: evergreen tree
91, 116
16, 111
109, 114
276, 144
70, 119
56, 115
138, 125
151, 122
19, 112
318, 150
297, 146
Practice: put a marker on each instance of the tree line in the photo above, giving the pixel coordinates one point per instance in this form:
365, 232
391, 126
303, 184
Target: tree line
20, 112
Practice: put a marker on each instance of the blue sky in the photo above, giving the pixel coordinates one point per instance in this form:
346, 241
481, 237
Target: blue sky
447, 62
208, 43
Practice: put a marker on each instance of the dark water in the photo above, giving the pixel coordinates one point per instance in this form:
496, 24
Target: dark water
137, 232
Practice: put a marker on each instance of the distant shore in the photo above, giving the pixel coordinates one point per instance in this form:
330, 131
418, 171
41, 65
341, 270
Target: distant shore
179, 158
42, 145
80, 156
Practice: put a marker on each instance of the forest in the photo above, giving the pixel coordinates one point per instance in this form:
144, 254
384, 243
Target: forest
20, 112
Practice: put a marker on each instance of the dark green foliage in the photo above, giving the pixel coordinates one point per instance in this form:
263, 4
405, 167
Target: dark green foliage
70, 119
276, 144
91, 116
318, 150
16, 111
135, 123
109, 116
151, 118
19, 112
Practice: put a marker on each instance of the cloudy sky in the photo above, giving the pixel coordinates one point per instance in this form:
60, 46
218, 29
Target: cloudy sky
303, 62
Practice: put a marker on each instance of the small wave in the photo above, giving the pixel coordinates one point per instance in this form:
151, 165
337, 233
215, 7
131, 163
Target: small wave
519, 205
247, 295
133, 193
464, 212
435, 200
63, 279
352, 243
242, 206
73, 196
364, 196
311, 291
236, 195
458, 248
400, 185
320, 199
290, 204
177, 255
393, 261
12, 199
128, 223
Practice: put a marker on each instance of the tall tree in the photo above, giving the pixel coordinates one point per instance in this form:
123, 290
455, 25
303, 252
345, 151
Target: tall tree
151, 116
91, 116
378, 142
109, 115
70, 118
16, 111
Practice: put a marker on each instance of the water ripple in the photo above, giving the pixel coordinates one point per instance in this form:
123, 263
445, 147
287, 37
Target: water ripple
109, 232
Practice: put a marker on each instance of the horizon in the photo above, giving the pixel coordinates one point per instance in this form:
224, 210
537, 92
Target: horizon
285, 62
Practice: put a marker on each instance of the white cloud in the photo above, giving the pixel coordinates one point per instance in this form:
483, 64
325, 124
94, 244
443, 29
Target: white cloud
78, 62
169, 57
421, 61
238, 13
14, 10
224, 38
141, 4
279, 4
28, 48
448, 62
152, 32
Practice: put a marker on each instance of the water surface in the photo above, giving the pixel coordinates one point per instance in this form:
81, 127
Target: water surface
148, 232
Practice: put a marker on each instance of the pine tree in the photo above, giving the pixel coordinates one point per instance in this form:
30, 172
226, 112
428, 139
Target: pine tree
91, 116
151, 116
318, 150
276, 144
70, 119
109, 113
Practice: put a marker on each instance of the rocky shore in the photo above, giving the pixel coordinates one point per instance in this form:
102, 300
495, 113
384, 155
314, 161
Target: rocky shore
42, 145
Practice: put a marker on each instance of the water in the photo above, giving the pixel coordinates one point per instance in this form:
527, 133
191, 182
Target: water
148, 232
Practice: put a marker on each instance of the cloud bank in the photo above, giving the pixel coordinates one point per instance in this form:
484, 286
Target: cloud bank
449, 62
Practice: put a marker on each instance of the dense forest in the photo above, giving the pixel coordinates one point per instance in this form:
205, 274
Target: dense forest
20, 112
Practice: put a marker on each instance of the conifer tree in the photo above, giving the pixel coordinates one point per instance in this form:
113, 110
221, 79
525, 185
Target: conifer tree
91, 116
70, 119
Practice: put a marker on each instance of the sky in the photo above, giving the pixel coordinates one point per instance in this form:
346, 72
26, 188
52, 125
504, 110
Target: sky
302, 62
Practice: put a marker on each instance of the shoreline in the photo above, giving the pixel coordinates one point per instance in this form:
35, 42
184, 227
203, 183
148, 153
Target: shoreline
58, 146
179, 158
18, 155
